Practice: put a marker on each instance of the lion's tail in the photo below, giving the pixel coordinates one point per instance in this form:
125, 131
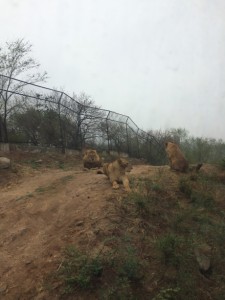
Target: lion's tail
195, 168
99, 172
198, 167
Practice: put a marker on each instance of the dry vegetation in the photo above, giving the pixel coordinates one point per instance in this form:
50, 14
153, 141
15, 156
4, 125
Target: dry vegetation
65, 234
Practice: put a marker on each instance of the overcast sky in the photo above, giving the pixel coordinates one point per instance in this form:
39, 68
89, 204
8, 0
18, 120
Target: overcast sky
162, 62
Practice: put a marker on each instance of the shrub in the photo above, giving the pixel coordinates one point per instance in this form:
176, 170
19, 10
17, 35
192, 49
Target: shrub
168, 246
79, 270
222, 164
141, 203
167, 294
130, 266
185, 187
200, 199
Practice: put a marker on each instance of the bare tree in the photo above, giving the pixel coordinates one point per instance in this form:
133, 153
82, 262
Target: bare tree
15, 61
87, 117
115, 134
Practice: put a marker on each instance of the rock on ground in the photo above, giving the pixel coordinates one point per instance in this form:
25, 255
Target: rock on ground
4, 163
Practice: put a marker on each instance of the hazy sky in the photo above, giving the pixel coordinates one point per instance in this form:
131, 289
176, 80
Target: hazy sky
162, 62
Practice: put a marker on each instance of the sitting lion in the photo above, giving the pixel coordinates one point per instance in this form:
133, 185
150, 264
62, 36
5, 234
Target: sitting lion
176, 157
115, 171
91, 159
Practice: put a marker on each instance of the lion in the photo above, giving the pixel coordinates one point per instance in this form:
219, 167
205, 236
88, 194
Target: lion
91, 159
177, 160
115, 171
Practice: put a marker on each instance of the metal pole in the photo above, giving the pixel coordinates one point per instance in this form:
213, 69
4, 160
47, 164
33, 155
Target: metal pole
127, 136
107, 132
60, 126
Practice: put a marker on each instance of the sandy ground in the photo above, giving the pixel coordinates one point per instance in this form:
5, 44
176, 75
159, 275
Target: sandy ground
43, 211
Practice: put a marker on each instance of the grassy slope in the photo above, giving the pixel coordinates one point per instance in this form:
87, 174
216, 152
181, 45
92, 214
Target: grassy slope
150, 251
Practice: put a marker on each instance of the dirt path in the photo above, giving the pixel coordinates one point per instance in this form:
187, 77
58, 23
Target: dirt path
40, 215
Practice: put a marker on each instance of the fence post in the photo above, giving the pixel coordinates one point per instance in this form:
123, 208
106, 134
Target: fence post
149, 148
62, 142
127, 136
138, 145
1, 127
107, 132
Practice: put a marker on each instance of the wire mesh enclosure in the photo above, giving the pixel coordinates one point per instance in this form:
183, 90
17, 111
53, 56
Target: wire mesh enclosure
30, 113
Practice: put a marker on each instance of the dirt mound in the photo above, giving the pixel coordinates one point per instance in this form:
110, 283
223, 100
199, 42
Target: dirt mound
42, 209
47, 203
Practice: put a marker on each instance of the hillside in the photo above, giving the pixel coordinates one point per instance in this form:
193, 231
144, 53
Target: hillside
65, 234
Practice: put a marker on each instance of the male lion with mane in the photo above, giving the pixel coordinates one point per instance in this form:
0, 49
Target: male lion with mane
91, 159
177, 160
176, 157
115, 171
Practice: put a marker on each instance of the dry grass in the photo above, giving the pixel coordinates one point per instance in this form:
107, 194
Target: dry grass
116, 245
151, 253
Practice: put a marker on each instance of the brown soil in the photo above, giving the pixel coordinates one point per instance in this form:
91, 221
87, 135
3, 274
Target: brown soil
42, 210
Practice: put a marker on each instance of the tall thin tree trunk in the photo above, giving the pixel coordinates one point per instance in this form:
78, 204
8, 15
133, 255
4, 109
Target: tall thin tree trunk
5, 130
1, 130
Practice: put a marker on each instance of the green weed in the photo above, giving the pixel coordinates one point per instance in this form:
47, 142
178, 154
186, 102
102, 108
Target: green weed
121, 289
61, 165
66, 178
168, 246
185, 187
43, 189
167, 294
148, 186
201, 199
222, 164
33, 164
141, 202
80, 270
24, 197
129, 264
198, 198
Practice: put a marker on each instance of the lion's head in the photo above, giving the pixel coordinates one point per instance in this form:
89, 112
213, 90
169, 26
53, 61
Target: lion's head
123, 163
91, 159
116, 172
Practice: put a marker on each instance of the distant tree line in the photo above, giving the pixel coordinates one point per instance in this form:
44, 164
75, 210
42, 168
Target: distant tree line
196, 149
57, 120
